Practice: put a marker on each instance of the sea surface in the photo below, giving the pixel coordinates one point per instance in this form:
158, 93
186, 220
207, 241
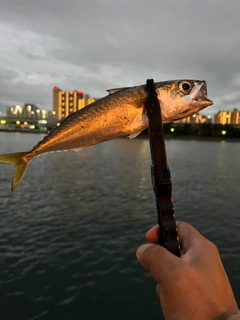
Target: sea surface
69, 232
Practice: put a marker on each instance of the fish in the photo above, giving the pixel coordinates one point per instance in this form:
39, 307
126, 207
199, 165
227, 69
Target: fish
119, 114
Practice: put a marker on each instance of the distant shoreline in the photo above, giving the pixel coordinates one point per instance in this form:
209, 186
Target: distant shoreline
144, 135
24, 131
202, 138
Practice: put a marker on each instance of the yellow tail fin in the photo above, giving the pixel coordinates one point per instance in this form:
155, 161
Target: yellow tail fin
20, 166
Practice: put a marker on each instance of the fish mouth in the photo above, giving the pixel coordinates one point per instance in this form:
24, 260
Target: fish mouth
199, 93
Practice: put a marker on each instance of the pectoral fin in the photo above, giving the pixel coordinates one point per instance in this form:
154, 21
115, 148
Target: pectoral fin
134, 134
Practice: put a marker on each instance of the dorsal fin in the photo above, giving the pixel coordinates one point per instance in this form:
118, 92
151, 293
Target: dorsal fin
111, 91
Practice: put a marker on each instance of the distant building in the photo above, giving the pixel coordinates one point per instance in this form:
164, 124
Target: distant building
196, 118
29, 111
228, 117
67, 102
235, 116
223, 117
14, 111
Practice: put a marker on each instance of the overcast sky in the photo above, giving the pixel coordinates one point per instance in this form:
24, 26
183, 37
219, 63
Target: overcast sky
97, 45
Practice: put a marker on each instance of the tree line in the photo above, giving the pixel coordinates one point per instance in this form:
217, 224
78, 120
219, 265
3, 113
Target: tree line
201, 130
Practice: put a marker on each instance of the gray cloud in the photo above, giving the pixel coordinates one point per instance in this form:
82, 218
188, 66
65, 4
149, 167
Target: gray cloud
95, 45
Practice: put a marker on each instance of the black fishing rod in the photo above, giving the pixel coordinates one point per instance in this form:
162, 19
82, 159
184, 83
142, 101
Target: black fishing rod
161, 177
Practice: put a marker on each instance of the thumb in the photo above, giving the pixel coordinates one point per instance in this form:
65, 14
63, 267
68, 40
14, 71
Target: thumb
158, 261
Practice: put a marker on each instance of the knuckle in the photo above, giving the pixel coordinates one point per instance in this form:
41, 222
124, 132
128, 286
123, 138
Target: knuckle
214, 248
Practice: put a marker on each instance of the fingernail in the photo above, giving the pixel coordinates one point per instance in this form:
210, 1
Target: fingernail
141, 249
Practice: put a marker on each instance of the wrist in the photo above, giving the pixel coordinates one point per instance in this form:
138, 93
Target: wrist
234, 316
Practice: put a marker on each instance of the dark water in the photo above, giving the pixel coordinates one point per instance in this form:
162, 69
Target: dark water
68, 234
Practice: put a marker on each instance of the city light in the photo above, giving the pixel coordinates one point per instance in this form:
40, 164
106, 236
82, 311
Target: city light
224, 132
172, 129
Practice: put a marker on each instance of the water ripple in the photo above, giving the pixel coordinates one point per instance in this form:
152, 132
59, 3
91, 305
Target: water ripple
69, 233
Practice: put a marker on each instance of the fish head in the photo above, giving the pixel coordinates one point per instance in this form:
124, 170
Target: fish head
181, 98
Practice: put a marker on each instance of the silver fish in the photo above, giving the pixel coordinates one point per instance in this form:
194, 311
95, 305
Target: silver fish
121, 113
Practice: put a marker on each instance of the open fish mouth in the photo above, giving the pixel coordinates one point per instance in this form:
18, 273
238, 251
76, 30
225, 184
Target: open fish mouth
199, 93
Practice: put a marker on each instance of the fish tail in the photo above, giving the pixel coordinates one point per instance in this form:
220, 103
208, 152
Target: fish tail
20, 166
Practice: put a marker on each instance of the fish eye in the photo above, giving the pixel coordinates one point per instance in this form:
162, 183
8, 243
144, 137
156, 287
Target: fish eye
185, 87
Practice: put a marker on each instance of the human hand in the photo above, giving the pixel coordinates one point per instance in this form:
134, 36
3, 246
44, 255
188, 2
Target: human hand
194, 286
